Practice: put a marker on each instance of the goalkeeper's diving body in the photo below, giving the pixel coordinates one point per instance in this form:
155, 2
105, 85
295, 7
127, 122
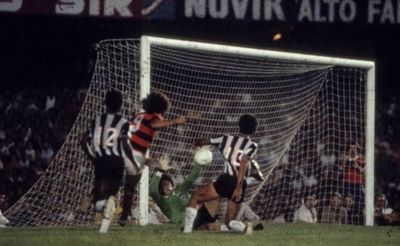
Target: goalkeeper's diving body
174, 200
238, 151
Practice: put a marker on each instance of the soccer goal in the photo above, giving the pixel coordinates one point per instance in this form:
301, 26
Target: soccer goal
310, 109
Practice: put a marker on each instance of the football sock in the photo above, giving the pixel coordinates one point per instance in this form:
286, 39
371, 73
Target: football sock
190, 216
105, 224
110, 208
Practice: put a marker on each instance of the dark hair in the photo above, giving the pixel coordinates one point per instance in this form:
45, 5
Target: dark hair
385, 201
349, 195
354, 143
113, 101
164, 177
310, 194
336, 193
156, 103
247, 124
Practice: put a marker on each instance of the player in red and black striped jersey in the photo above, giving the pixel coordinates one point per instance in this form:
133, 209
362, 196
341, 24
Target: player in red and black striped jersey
142, 131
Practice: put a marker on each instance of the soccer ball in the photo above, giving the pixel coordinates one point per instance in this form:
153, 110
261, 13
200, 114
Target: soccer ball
203, 156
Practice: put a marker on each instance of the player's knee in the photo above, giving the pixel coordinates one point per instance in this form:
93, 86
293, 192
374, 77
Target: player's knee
195, 200
99, 206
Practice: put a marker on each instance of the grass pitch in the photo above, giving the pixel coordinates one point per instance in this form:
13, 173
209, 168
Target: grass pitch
273, 234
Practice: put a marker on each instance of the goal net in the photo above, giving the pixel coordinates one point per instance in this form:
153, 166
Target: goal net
309, 109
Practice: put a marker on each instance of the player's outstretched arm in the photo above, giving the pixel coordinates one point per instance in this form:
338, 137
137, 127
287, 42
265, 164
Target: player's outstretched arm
190, 179
166, 123
201, 142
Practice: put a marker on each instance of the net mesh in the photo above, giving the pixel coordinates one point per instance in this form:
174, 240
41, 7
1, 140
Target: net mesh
307, 115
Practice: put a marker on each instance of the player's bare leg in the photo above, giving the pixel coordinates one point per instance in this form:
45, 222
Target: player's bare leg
99, 199
131, 182
110, 207
232, 211
107, 214
213, 206
204, 193
232, 223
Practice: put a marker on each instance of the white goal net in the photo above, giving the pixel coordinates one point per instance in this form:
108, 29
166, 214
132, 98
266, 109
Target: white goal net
309, 110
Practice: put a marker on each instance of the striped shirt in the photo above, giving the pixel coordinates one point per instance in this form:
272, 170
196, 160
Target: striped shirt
140, 133
106, 134
233, 148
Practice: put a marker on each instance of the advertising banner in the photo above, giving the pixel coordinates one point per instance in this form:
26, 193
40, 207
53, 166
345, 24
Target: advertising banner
149, 9
298, 11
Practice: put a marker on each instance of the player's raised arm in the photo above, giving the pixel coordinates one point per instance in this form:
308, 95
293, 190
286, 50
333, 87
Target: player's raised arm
161, 123
208, 141
201, 142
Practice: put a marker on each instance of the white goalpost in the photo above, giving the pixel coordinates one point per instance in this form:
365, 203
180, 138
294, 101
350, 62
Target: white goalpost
309, 109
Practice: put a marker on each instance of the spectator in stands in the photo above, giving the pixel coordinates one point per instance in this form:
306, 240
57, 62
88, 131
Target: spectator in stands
334, 213
327, 181
396, 218
352, 166
306, 212
47, 153
306, 172
383, 215
353, 217
328, 158
3, 220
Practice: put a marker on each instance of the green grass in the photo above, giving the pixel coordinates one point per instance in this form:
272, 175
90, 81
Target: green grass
273, 234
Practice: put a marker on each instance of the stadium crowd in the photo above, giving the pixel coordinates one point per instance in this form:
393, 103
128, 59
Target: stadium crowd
33, 125
35, 121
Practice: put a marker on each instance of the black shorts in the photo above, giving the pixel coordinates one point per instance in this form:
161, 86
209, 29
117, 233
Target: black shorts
225, 185
109, 171
203, 217
109, 167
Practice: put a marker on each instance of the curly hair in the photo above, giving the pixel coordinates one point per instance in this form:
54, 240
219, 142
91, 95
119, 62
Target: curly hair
156, 103
113, 101
247, 124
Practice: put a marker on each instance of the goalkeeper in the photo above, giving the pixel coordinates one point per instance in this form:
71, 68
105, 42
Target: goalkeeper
172, 201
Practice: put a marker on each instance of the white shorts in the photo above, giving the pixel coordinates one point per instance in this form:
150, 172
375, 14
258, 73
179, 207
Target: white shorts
135, 167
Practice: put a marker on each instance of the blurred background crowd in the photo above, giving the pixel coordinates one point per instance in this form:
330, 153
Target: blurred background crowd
35, 121
33, 125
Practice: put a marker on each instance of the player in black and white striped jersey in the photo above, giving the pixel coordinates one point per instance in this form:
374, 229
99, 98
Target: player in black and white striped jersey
103, 145
238, 151
232, 147
104, 136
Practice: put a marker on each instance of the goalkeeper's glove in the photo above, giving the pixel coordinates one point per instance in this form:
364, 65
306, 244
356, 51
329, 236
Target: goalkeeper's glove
164, 163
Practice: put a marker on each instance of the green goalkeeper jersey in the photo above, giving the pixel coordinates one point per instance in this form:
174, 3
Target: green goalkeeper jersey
174, 205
